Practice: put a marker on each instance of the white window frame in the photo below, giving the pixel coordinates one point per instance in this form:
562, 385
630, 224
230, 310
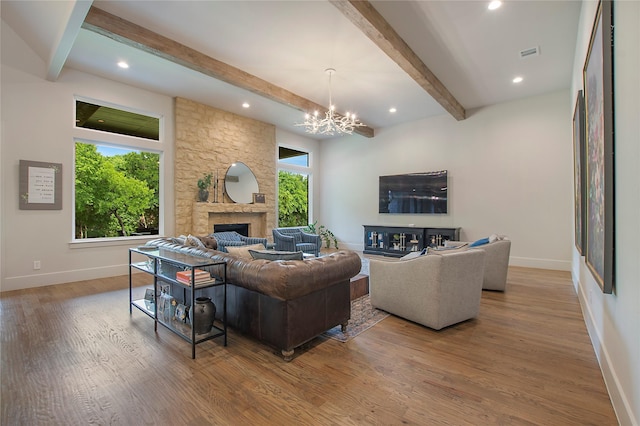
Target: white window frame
116, 140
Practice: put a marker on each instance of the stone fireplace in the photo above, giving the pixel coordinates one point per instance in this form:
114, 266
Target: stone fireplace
209, 140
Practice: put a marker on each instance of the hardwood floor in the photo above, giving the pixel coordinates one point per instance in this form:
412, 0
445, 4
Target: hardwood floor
72, 354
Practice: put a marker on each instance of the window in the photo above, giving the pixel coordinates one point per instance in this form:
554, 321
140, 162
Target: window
293, 187
116, 191
117, 188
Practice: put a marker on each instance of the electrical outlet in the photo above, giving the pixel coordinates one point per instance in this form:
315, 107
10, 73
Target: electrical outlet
36, 264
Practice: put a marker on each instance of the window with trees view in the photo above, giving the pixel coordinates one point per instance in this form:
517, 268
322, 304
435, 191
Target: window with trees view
116, 191
293, 188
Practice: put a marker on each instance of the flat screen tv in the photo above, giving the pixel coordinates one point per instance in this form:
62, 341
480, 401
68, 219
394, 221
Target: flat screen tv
414, 193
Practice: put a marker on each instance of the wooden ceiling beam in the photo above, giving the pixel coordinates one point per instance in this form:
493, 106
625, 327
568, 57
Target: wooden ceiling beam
133, 35
373, 25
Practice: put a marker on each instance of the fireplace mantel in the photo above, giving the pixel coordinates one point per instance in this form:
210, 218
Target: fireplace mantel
205, 215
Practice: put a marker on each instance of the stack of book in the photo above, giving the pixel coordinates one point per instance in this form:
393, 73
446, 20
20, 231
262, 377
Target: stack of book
200, 277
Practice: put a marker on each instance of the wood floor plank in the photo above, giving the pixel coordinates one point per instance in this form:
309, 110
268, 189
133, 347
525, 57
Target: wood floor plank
72, 354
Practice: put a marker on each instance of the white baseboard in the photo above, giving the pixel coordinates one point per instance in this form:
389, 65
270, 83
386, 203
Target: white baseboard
41, 280
619, 400
528, 262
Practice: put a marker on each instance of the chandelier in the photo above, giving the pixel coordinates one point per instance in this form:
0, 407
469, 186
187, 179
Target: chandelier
332, 123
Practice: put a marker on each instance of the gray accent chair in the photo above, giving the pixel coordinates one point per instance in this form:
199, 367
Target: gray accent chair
295, 239
232, 238
496, 263
435, 290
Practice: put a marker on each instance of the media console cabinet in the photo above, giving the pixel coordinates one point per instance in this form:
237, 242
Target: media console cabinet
399, 240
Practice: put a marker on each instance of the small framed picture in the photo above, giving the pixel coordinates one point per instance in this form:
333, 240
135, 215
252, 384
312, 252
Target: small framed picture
258, 198
148, 295
181, 312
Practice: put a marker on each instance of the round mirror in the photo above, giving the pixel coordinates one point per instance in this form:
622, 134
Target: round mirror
240, 183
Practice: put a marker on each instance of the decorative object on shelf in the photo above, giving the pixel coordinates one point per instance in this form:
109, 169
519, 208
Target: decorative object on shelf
148, 295
40, 186
215, 188
204, 183
181, 312
258, 198
332, 123
165, 312
202, 315
599, 119
326, 235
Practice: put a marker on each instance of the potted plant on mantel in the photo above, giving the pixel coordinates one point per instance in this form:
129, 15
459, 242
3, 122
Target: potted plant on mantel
326, 235
204, 183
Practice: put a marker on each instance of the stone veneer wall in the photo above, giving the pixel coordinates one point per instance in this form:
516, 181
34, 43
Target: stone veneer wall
210, 140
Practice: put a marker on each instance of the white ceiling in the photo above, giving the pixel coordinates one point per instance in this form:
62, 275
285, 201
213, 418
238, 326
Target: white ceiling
473, 51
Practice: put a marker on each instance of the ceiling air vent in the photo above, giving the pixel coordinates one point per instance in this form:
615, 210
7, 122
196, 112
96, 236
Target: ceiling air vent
533, 51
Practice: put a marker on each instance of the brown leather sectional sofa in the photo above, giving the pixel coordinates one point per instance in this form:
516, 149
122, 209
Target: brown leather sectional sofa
281, 303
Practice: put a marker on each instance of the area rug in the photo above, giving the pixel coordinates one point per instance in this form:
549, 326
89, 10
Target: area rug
363, 317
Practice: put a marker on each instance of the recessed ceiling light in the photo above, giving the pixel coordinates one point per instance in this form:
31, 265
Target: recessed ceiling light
245, 105
517, 80
392, 110
123, 64
495, 4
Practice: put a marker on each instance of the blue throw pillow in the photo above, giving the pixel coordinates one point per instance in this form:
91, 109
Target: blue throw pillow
480, 242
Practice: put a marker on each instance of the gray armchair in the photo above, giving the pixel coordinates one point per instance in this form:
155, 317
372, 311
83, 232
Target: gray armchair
295, 239
496, 262
232, 238
435, 290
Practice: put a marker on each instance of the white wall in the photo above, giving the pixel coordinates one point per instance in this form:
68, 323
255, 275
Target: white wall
38, 124
613, 321
510, 172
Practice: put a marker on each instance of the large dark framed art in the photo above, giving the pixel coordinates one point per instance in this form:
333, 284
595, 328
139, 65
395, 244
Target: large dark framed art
579, 173
599, 119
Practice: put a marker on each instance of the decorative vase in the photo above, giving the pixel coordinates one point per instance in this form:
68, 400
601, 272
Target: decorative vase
203, 195
202, 315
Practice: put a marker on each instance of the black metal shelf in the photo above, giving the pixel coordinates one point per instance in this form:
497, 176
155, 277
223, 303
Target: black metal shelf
163, 265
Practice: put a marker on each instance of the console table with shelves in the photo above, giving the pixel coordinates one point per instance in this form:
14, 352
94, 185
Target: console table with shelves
164, 265
398, 241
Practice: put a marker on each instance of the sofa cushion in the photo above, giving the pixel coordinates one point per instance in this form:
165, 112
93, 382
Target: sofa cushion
276, 255
243, 251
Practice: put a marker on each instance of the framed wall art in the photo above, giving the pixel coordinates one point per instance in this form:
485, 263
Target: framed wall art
40, 185
599, 118
579, 173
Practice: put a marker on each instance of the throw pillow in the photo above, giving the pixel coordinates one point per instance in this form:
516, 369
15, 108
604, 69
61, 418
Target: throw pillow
243, 251
479, 242
276, 255
414, 254
209, 242
192, 241
411, 255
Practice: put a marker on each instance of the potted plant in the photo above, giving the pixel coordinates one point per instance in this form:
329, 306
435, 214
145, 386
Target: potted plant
326, 235
204, 183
